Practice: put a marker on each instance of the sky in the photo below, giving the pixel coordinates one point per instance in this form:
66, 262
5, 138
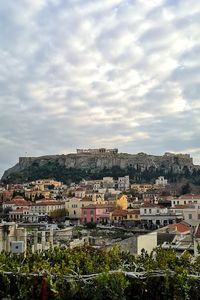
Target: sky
99, 73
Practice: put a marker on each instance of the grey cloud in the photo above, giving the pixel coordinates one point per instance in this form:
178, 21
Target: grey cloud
113, 73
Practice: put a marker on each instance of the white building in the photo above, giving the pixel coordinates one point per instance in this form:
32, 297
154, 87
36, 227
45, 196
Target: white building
74, 205
45, 207
123, 183
108, 182
16, 203
186, 199
80, 192
153, 214
161, 181
189, 211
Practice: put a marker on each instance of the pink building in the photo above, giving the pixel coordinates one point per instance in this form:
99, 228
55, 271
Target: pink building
95, 212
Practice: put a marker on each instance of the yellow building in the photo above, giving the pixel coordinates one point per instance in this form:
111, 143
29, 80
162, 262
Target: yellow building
133, 215
31, 194
43, 184
122, 202
98, 198
118, 215
142, 187
74, 205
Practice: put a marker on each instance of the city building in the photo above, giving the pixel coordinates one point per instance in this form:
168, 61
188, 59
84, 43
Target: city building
74, 206
161, 181
123, 183
141, 187
80, 192
189, 211
152, 214
108, 182
95, 213
186, 199
97, 151
16, 203
45, 207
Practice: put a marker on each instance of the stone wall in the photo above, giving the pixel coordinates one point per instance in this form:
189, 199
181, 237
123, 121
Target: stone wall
98, 161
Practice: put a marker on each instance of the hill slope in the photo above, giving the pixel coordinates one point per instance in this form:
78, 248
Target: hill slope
140, 167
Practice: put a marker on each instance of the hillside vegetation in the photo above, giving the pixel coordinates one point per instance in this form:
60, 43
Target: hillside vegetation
53, 169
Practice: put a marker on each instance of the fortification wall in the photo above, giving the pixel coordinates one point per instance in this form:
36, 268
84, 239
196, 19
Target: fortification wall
106, 159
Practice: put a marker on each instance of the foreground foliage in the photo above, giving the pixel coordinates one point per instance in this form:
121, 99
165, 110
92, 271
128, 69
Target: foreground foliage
46, 275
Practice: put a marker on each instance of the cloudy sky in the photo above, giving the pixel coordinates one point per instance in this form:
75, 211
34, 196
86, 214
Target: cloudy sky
99, 73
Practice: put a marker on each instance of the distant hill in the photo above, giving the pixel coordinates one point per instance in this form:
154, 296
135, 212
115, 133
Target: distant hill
95, 164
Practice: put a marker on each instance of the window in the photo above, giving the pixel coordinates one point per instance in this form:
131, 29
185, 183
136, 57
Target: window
150, 210
131, 216
190, 216
85, 211
198, 216
145, 211
92, 212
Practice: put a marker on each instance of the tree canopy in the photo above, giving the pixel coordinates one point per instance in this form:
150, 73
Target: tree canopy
88, 273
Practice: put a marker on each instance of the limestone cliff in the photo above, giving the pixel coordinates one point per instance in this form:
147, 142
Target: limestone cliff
99, 161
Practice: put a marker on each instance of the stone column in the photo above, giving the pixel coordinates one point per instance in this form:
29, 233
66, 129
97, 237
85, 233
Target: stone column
35, 239
51, 236
43, 240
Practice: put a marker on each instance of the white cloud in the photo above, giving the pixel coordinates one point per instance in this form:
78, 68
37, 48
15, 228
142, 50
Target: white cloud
92, 72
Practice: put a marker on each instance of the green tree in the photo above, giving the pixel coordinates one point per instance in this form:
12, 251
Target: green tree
186, 188
58, 214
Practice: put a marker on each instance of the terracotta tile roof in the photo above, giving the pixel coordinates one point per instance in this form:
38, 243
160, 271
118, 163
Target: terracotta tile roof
18, 200
182, 228
45, 203
119, 213
149, 205
99, 206
190, 196
18, 197
197, 232
182, 206
133, 212
45, 199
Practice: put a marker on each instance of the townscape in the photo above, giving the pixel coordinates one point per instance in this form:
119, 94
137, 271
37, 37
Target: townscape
58, 231
101, 213
99, 150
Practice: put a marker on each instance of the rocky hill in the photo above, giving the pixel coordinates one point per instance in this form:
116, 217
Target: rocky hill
96, 162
